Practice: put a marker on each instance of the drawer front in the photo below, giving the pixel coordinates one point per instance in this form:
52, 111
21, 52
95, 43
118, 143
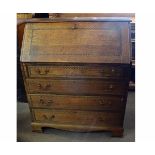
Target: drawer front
75, 86
105, 102
76, 71
77, 117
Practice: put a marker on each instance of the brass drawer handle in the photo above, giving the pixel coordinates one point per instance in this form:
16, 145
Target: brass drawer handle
44, 72
108, 73
52, 117
42, 101
101, 119
102, 102
49, 102
116, 72
46, 87
111, 86
113, 70
45, 117
48, 118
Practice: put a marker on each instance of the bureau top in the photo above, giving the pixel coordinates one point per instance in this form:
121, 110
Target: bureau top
81, 19
106, 40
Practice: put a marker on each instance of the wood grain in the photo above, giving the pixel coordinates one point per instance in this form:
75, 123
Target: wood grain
90, 87
100, 103
86, 42
78, 117
76, 73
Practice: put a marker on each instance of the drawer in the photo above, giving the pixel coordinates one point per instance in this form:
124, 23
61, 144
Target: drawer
76, 71
77, 117
105, 102
89, 87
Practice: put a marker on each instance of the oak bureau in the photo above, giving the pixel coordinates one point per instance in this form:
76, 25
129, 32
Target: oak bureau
76, 73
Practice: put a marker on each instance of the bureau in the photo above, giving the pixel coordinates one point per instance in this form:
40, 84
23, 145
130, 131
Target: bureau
76, 73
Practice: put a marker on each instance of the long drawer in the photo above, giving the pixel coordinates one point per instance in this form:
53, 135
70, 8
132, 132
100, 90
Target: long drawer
77, 117
83, 86
75, 71
104, 102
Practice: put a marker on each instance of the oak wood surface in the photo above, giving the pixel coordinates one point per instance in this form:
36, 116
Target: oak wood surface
64, 15
83, 42
104, 102
78, 117
76, 73
90, 87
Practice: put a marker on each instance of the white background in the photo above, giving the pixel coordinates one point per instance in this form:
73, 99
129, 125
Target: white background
145, 76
